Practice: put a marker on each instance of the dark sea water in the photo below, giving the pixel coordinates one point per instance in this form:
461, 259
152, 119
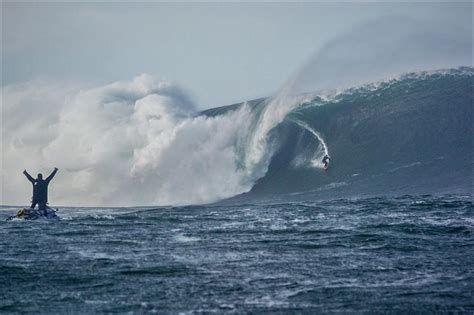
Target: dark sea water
397, 255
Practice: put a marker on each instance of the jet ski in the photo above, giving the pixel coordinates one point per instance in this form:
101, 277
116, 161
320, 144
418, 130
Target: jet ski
35, 214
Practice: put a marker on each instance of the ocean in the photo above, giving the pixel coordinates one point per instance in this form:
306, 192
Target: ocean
406, 254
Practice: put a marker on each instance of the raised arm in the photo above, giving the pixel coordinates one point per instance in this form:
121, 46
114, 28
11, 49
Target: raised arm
31, 179
50, 177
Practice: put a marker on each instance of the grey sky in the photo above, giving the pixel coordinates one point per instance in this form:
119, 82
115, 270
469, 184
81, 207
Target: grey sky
220, 52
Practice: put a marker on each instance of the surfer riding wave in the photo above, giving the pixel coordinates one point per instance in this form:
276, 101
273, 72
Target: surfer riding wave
325, 161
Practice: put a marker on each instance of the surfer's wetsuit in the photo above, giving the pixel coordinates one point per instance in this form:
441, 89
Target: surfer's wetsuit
326, 160
40, 189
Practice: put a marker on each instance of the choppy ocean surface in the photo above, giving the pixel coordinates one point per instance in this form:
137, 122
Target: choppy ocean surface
405, 254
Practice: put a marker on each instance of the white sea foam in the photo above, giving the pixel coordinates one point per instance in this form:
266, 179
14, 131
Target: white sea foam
137, 142
185, 239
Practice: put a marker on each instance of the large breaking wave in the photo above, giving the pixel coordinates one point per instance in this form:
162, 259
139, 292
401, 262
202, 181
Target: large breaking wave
143, 142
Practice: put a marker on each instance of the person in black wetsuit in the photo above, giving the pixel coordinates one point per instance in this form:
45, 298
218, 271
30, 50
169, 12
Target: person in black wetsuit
40, 189
326, 161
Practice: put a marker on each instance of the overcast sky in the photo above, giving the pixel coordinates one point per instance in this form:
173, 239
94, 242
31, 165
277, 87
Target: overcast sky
220, 53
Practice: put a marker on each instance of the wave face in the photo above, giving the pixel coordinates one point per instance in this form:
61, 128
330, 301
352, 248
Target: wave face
413, 134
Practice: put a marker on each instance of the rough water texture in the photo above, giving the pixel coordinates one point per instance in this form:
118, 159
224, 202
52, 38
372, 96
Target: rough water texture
404, 254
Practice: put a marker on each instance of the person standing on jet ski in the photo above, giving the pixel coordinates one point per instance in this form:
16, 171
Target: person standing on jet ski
40, 189
326, 161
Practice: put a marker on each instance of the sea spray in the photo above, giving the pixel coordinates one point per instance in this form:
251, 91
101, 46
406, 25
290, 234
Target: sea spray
127, 143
